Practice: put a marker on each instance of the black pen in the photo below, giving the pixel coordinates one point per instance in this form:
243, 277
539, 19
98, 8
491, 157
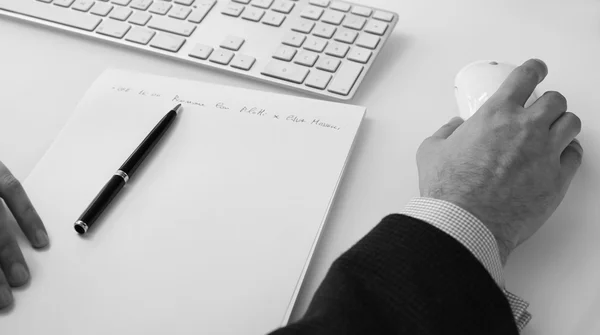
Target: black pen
126, 171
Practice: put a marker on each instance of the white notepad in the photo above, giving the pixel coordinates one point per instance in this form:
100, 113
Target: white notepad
214, 233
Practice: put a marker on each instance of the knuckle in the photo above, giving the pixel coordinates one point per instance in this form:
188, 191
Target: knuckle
8, 246
425, 146
493, 106
9, 182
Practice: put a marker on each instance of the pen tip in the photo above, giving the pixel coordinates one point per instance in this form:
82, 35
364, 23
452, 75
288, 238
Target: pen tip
177, 108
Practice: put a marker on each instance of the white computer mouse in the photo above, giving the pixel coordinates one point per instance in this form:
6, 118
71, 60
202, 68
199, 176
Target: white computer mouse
478, 81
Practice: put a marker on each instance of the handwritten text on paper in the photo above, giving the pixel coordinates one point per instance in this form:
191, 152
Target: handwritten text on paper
251, 110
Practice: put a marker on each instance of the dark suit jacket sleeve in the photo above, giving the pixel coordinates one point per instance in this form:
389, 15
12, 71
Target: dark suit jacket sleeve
406, 277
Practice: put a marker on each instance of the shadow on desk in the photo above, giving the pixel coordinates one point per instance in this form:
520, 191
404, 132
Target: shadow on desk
389, 56
312, 279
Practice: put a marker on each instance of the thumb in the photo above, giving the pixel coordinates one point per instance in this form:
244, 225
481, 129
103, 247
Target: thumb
448, 128
570, 160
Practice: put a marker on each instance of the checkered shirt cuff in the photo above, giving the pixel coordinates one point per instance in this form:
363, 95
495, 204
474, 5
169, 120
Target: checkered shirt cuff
475, 236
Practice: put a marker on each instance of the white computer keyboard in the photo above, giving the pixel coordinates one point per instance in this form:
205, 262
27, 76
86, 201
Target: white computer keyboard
319, 46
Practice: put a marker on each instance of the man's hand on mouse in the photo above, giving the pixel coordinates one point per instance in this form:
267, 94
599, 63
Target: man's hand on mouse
508, 165
13, 269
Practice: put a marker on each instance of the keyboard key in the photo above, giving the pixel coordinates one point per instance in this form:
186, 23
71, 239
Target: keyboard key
345, 35
315, 44
273, 19
63, 3
262, 3
376, 27
83, 5
303, 26
242, 62
42, 11
368, 41
101, 9
345, 79
113, 28
321, 3
46, 1
184, 2
203, 8
180, 12
172, 26
306, 58
140, 35
312, 12
284, 53
383, 16
341, 6
160, 7
362, 11
283, 6
333, 17
221, 56
205, 3
121, 2
318, 79
201, 51
337, 49
140, 18
328, 64
360, 55
324, 30
354, 22
253, 14
141, 4
167, 42
245, 2
121, 13
232, 43
294, 39
233, 9
286, 71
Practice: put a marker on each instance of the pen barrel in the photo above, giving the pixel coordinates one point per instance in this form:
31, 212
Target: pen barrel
142, 151
101, 201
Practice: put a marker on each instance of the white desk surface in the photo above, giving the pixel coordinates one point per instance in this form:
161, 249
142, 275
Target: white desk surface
409, 94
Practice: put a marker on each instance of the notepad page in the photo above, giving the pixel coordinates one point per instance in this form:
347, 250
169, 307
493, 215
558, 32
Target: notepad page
214, 232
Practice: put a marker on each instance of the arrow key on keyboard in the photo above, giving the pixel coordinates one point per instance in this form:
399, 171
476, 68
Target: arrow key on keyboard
221, 56
286, 71
201, 51
242, 62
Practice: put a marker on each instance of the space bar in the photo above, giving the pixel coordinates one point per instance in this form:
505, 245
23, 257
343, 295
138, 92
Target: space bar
51, 13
